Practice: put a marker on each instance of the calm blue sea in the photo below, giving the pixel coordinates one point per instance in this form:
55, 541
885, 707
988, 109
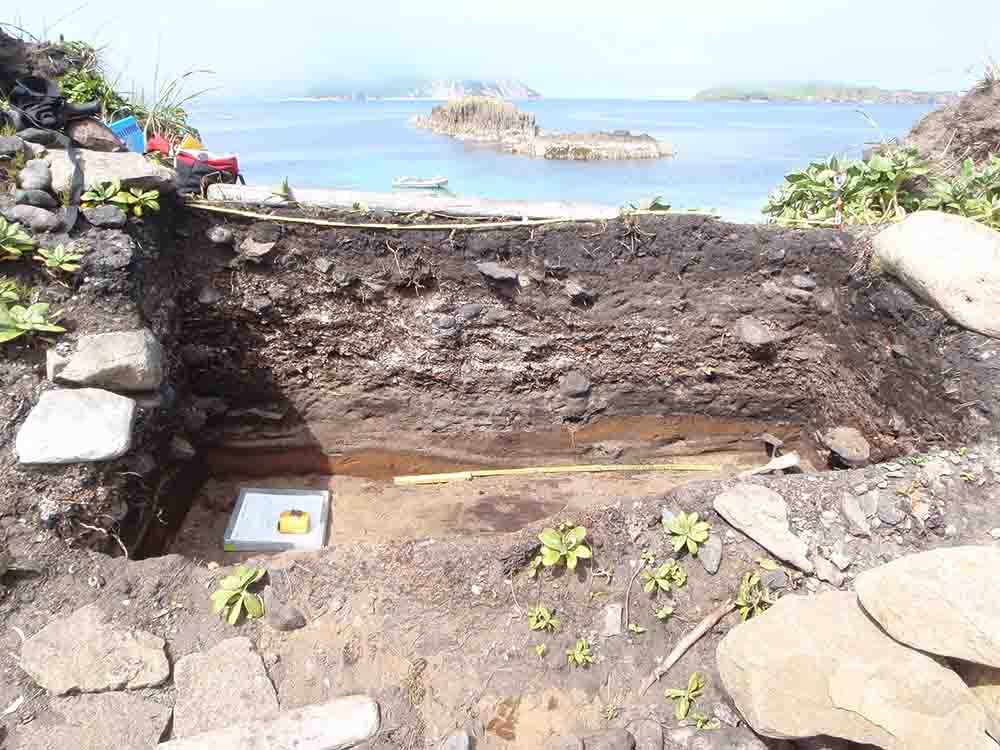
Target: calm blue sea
730, 155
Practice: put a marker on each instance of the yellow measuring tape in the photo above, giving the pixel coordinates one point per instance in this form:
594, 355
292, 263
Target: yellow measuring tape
464, 476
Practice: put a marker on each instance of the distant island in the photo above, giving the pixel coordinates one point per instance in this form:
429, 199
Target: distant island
421, 88
490, 120
829, 93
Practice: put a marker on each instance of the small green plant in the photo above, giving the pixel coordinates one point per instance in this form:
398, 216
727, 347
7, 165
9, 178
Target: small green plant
14, 241
974, 193
580, 655
540, 650
17, 321
611, 712
664, 613
233, 596
648, 557
968, 476
754, 597
684, 698
662, 578
59, 258
563, 545
687, 531
540, 618
607, 573
101, 195
137, 201
11, 290
284, 191
704, 723
636, 629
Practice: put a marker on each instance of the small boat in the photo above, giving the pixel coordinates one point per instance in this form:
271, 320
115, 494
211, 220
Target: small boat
429, 183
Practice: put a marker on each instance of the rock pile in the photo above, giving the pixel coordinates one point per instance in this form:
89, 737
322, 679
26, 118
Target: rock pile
847, 666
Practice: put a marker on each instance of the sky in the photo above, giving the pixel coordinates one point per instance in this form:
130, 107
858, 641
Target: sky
563, 48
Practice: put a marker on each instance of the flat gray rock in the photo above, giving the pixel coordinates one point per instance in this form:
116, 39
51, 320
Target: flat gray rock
944, 601
611, 739
119, 361
857, 521
105, 217
818, 665
36, 175
762, 515
710, 554
85, 653
752, 333
221, 686
37, 198
496, 272
11, 147
921, 250
35, 218
101, 721
71, 426
133, 170
574, 384
725, 738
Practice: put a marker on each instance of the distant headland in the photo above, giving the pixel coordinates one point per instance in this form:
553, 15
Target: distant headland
491, 120
830, 93
421, 88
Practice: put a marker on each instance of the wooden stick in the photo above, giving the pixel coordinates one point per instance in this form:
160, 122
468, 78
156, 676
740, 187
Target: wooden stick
464, 476
710, 621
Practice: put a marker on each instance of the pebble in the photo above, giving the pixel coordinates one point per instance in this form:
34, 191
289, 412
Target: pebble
477, 590
995, 533
220, 236
612, 620
827, 571
857, 521
457, 741
869, 504
860, 489
841, 556
951, 530
893, 467
889, 512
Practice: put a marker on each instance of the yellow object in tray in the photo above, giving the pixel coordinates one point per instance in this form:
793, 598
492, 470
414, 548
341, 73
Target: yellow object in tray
293, 522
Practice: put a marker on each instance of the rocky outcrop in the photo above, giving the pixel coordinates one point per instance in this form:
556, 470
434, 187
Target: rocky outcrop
119, 361
85, 653
496, 121
949, 261
818, 666
943, 601
70, 426
762, 515
202, 707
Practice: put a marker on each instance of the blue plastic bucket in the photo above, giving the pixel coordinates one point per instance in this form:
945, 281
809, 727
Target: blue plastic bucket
131, 134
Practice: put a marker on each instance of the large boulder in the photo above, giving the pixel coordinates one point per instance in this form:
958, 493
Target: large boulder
119, 361
943, 601
71, 426
949, 261
818, 666
85, 653
762, 515
97, 168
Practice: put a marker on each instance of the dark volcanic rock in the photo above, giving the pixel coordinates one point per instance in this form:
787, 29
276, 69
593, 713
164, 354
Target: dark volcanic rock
496, 272
106, 217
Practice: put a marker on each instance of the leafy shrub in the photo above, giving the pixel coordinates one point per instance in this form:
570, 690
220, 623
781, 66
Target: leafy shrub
684, 698
841, 191
974, 193
687, 531
135, 200
17, 321
14, 241
101, 195
233, 595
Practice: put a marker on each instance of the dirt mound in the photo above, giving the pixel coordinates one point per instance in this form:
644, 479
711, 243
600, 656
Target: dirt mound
968, 128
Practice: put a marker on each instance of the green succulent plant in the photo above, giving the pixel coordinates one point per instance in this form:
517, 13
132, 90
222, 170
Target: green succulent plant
101, 195
233, 596
18, 320
662, 578
687, 531
684, 698
562, 546
11, 290
59, 258
540, 618
754, 597
580, 655
14, 241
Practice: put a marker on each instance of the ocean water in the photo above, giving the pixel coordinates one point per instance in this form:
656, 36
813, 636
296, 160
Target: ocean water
730, 156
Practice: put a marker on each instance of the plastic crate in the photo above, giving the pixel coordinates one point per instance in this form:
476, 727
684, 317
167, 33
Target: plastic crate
131, 134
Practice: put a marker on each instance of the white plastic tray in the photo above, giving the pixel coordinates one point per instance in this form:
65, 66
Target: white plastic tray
253, 525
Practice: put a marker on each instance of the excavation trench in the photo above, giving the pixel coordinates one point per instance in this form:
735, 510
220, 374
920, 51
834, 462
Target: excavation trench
342, 358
